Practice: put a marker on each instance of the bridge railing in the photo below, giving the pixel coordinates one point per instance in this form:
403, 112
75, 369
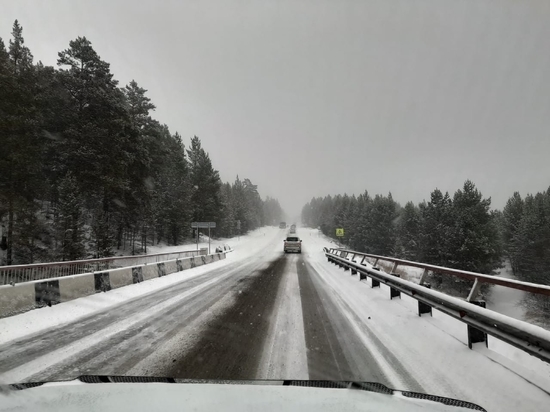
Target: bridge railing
481, 322
478, 278
39, 271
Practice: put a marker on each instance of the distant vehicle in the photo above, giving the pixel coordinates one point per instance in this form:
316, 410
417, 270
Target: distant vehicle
293, 228
292, 244
282, 225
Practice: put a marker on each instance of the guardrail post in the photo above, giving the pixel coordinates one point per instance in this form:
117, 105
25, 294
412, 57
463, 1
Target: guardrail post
362, 276
394, 293
422, 307
393, 268
423, 277
374, 283
474, 291
341, 263
476, 335
353, 271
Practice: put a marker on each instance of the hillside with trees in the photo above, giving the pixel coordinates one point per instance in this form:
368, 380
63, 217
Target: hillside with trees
86, 170
459, 231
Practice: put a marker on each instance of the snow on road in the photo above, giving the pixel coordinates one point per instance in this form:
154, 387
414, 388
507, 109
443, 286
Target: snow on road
37, 320
285, 348
263, 314
432, 349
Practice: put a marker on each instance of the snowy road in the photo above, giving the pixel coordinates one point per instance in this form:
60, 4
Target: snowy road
263, 314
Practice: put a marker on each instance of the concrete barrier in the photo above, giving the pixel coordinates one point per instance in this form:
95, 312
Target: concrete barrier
185, 263
46, 292
161, 269
170, 266
197, 261
29, 295
15, 299
76, 286
137, 274
120, 277
149, 271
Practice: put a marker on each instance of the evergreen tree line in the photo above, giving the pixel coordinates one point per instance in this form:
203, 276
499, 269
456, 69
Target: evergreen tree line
526, 235
86, 170
459, 232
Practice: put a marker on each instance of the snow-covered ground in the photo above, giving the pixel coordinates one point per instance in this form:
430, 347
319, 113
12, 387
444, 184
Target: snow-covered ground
506, 300
279, 317
433, 349
15, 327
163, 248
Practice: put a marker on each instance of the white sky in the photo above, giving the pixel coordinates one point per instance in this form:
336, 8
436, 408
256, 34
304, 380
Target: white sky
308, 98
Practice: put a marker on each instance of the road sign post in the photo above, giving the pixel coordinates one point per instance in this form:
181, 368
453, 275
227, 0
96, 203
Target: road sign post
340, 234
204, 225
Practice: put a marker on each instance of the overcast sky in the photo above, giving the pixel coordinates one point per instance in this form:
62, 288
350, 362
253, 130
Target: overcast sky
308, 98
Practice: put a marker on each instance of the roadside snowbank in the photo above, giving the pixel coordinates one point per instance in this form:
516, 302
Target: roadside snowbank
34, 321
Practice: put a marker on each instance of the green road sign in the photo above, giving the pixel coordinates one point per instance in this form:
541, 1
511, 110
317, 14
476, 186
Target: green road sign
340, 231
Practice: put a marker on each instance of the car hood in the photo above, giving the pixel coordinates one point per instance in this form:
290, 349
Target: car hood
135, 394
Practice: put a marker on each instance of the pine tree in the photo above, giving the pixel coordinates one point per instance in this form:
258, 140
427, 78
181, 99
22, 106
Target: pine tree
408, 233
95, 138
20, 55
475, 242
533, 239
381, 223
271, 212
205, 184
512, 215
178, 191
437, 229
252, 204
363, 222
20, 181
96, 118
144, 137
69, 221
84, 159
228, 221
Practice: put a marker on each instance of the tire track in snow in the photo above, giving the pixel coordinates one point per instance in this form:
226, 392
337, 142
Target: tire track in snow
231, 346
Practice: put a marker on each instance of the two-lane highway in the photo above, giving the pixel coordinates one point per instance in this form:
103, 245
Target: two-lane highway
264, 314
262, 317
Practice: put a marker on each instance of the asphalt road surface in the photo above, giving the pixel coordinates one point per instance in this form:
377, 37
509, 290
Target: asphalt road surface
267, 317
270, 315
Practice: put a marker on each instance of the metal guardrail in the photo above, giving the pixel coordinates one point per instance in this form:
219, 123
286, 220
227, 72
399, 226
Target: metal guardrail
478, 278
481, 322
40, 271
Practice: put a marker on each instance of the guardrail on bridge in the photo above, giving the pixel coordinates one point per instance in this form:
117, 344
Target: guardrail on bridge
39, 271
480, 321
